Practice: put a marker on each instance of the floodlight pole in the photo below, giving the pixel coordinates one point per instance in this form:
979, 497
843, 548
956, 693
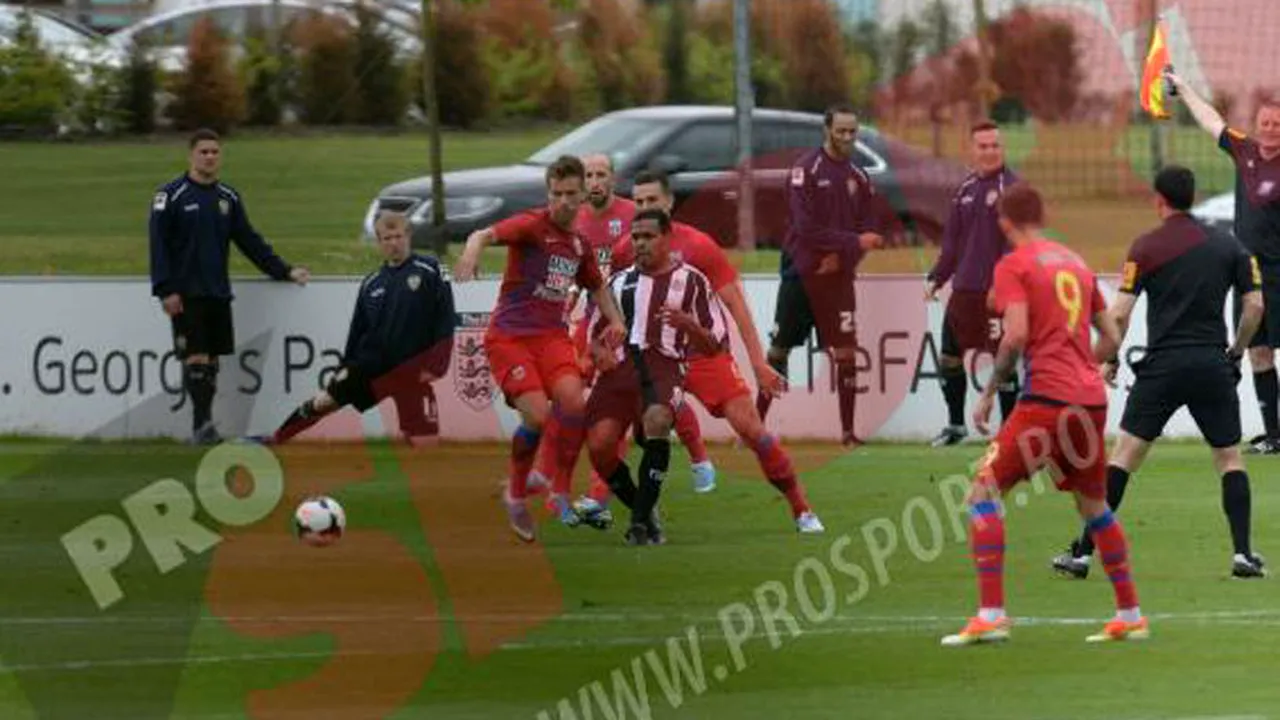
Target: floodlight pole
743, 105
432, 106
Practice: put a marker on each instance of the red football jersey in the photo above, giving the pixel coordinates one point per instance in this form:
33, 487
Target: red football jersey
691, 245
544, 261
602, 230
1062, 296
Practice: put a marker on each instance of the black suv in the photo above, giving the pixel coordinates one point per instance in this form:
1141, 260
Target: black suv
695, 145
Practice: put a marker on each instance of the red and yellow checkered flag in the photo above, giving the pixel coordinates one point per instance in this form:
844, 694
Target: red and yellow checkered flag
1152, 92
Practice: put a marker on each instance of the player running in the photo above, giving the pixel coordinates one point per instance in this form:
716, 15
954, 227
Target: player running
1048, 299
1186, 270
400, 341
671, 313
715, 379
971, 245
1257, 226
603, 221
530, 353
833, 211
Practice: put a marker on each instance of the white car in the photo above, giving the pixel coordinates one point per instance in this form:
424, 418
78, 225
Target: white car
76, 45
166, 32
1218, 211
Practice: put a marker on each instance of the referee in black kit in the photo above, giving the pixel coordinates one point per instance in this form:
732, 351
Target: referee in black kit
1186, 271
194, 218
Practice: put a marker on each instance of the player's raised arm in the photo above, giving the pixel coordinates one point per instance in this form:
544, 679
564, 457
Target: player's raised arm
1204, 113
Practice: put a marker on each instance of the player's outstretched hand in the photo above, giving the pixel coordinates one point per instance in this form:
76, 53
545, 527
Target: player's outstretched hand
930, 291
300, 275
680, 320
1109, 373
828, 264
871, 241
465, 269
982, 413
769, 381
172, 304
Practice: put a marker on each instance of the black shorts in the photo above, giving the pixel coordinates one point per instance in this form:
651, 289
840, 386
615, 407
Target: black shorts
203, 327
827, 303
1206, 388
1268, 334
415, 401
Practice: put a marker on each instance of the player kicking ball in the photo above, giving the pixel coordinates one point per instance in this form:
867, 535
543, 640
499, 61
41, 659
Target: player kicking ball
1048, 299
671, 314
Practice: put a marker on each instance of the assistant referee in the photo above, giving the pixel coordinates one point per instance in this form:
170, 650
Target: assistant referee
194, 219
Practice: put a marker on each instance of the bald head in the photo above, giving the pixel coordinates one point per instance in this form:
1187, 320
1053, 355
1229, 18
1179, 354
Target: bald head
599, 179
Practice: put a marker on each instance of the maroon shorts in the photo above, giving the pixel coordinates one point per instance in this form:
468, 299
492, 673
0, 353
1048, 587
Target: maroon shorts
624, 392
969, 325
1067, 439
827, 303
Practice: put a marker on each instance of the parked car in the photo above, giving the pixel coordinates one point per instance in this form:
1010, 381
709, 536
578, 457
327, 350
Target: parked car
1218, 211
76, 45
166, 33
696, 146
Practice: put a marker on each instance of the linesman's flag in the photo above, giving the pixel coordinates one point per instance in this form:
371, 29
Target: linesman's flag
1152, 92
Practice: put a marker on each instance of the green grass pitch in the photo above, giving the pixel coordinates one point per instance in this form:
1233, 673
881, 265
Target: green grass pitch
424, 606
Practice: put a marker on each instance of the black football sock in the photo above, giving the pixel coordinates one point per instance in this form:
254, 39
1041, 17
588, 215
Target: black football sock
302, 417
622, 487
653, 471
202, 385
1117, 481
764, 399
953, 391
847, 391
1237, 504
1008, 398
1267, 387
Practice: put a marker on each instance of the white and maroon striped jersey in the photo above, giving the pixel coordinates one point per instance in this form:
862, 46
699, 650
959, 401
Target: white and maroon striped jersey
641, 299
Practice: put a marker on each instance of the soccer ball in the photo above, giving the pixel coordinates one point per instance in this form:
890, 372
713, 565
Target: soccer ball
319, 521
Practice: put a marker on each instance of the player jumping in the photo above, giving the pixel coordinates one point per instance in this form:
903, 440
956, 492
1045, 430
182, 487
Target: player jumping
530, 353
671, 313
715, 379
1048, 299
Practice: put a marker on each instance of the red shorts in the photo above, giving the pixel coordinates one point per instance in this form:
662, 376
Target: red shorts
530, 363
715, 380
624, 392
1067, 439
969, 325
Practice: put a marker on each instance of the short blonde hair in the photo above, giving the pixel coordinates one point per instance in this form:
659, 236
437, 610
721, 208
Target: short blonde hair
389, 220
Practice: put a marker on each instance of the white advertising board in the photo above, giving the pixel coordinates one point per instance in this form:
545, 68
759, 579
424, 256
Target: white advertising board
94, 358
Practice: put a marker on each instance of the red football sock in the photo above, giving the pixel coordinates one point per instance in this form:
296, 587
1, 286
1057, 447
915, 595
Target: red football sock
777, 467
1114, 549
568, 445
524, 446
986, 536
690, 433
546, 459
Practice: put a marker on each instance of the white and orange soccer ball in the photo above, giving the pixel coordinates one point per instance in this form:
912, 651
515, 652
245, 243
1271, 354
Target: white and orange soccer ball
319, 521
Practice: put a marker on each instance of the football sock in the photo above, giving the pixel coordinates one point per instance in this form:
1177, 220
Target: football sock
1114, 550
1267, 387
622, 487
764, 399
524, 446
1117, 481
777, 467
302, 417
1237, 504
653, 471
202, 379
690, 433
953, 391
986, 533
545, 461
1008, 399
567, 448
847, 390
